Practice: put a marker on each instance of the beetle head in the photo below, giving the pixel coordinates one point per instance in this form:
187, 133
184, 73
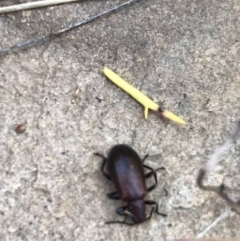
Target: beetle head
137, 209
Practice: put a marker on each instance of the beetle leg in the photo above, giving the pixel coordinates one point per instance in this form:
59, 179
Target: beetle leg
156, 205
153, 172
150, 173
113, 195
103, 165
145, 157
150, 216
122, 211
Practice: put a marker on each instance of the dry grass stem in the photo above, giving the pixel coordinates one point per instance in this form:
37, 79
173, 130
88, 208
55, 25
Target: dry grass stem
32, 5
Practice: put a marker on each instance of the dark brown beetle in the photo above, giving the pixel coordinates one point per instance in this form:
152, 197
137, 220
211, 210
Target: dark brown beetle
126, 170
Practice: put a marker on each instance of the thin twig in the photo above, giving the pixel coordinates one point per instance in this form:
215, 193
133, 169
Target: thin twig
40, 39
220, 150
221, 190
223, 216
32, 5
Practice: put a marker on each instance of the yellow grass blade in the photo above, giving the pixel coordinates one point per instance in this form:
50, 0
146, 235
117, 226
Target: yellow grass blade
173, 117
135, 93
139, 96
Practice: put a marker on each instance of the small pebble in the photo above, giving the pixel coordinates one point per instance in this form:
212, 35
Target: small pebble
20, 128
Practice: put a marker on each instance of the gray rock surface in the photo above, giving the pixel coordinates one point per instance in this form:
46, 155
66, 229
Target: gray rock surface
184, 54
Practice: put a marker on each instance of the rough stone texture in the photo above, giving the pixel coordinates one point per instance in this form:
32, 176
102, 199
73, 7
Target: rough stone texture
184, 54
